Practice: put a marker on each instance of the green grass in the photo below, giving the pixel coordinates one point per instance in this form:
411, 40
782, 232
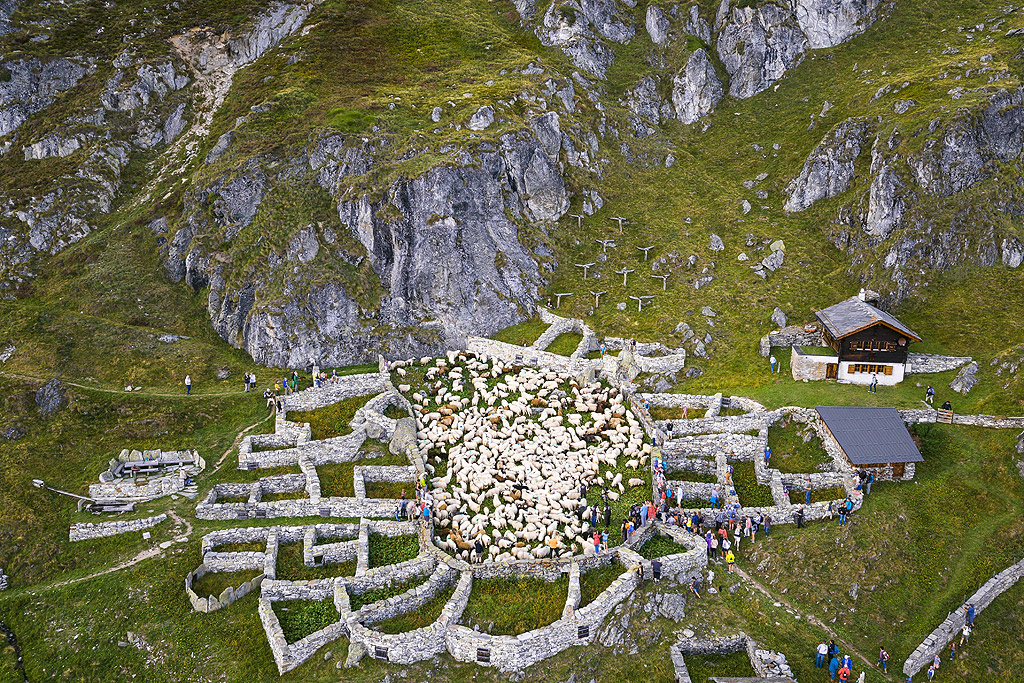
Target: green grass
790, 453
505, 607
376, 595
215, 583
597, 354
595, 581
701, 667
660, 546
336, 478
332, 420
290, 566
418, 618
389, 489
751, 493
916, 550
817, 351
662, 413
523, 334
395, 413
301, 618
565, 343
385, 550
799, 496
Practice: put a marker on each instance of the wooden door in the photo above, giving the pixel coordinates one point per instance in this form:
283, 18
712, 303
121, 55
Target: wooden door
832, 371
897, 470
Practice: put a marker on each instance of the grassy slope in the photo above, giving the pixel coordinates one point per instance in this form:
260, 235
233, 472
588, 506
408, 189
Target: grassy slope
95, 315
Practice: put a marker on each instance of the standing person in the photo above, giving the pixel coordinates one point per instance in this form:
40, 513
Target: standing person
604, 540
883, 660
656, 570
774, 361
936, 661
969, 608
946, 405
965, 634
844, 673
800, 518
767, 525
737, 534
929, 395
713, 542
821, 655
842, 512
873, 387
607, 514
714, 498
867, 484
807, 489
931, 673
833, 668
730, 560
952, 650
188, 385
767, 455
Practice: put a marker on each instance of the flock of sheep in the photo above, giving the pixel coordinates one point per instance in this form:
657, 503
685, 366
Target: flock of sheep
520, 443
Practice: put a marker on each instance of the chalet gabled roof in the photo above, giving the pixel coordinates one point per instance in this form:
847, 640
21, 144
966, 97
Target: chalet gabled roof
870, 435
854, 315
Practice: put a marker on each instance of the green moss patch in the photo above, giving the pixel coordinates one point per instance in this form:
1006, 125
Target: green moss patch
332, 420
564, 344
523, 334
751, 493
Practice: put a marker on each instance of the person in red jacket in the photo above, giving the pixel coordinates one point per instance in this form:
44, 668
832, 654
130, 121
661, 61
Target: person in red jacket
844, 674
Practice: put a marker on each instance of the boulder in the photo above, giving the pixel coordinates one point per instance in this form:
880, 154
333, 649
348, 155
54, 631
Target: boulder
50, 397
404, 436
965, 379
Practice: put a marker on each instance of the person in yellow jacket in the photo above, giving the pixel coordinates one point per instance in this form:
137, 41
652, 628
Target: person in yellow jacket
730, 559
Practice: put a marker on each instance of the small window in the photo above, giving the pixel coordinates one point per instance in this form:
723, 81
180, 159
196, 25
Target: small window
888, 369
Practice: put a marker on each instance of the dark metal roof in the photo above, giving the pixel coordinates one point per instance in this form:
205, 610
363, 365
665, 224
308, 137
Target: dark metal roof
853, 315
870, 435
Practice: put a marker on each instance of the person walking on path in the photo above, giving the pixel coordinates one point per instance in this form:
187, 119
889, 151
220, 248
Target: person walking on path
774, 363
821, 656
929, 395
883, 660
873, 387
188, 385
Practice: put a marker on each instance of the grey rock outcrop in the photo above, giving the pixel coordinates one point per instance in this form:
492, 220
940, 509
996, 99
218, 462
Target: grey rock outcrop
579, 28
34, 85
827, 23
758, 45
657, 25
50, 397
885, 203
696, 90
444, 245
778, 317
646, 105
829, 169
965, 379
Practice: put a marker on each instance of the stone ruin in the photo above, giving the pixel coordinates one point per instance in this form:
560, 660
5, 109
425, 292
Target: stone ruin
765, 663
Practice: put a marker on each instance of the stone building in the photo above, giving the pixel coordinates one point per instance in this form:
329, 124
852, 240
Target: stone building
872, 439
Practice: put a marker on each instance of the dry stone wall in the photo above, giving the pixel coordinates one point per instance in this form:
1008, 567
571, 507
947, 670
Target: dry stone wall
335, 390
918, 363
88, 530
937, 640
